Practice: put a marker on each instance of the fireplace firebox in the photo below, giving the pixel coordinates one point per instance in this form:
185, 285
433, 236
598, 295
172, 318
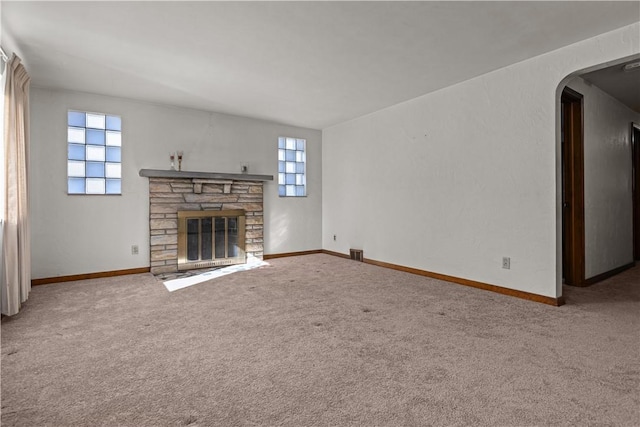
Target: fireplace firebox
210, 238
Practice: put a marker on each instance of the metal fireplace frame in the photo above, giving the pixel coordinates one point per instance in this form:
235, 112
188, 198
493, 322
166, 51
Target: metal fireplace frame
186, 264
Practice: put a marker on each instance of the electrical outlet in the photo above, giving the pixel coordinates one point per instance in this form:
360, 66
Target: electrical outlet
334, 237
134, 249
244, 167
506, 263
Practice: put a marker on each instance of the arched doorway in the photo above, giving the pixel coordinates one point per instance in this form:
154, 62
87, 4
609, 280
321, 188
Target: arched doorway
598, 197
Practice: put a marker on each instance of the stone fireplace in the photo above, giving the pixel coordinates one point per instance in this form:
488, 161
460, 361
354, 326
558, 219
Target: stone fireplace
211, 203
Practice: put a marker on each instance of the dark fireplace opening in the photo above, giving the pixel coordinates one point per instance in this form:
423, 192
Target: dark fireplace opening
210, 238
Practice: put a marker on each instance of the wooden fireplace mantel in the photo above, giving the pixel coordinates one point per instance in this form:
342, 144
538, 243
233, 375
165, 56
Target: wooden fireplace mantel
159, 173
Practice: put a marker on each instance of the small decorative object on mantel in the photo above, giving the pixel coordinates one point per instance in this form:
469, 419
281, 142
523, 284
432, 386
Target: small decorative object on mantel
179, 160
172, 156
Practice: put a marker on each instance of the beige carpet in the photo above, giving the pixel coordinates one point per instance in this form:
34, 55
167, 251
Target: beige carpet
320, 341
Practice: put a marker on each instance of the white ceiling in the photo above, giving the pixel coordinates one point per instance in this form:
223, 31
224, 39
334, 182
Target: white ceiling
311, 64
622, 85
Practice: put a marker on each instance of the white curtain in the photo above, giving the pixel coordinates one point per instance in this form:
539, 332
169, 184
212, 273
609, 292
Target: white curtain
16, 244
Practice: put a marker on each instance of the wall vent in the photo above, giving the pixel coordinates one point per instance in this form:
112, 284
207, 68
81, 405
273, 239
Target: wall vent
356, 254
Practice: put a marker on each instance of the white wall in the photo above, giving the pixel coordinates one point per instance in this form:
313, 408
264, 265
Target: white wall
452, 181
84, 234
607, 180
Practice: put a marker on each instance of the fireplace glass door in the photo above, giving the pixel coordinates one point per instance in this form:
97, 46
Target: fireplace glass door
207, 238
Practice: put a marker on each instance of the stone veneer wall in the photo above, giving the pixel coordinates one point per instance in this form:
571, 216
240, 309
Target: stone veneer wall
167, 196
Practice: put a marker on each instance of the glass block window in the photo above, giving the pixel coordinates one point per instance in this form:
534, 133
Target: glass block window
292, 158
94, 153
